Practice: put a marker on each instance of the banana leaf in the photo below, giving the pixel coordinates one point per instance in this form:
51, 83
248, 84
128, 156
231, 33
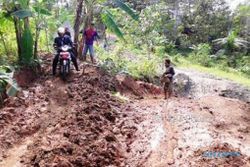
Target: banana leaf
108, 20
127, 9
21, 14
42, 11
12, 89
7, 83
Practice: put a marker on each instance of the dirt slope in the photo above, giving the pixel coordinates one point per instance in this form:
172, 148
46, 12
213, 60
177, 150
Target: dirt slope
76, 123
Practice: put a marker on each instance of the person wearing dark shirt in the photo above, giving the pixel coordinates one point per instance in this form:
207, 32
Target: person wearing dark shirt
167, 79
67, 32
89, 36
60, 41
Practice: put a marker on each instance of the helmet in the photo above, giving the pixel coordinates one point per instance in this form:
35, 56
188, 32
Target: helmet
61, 30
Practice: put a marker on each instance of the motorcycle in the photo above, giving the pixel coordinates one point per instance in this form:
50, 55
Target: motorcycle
64, 60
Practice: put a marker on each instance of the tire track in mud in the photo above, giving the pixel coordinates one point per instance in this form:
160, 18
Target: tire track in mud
162, 151
13, 157
156, 138
171, 140
82, 120
163, 130
192, 127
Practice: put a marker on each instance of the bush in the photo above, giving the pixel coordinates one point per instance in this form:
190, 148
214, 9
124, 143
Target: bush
144, 68
160, 51
176, 58
130, 60
246, 70
201, 55
244, 65
112, 61
170, 47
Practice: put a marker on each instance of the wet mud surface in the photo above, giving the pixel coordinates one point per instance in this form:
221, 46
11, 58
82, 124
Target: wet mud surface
81, 123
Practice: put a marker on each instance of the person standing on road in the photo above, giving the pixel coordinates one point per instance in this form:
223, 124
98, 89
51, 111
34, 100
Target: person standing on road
89, 36
167, 79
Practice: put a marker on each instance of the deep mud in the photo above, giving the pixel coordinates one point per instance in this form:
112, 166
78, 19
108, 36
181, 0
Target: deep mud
82, 123
76, 123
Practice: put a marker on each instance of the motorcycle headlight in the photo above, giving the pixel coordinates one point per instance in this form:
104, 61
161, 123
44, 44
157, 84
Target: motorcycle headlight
64, 49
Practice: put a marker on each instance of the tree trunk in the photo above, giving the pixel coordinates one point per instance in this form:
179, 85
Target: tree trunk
176, 17
78, 21
36, 42
89, 16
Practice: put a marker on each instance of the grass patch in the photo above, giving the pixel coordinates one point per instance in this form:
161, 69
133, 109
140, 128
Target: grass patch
137, 62
232, 75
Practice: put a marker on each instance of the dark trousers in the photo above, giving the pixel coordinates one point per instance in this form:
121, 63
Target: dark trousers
56, 59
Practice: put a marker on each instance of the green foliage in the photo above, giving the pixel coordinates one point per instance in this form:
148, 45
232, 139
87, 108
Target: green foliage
144, 68
127, 9
170, 47
241, 21
153, 32
23, 3
27, 46
201, 55
42, 11
22, 14
7, 83
244, 65
108, 20
209, 19
152, 26
160, 51
127, 59
7, 40
231, 42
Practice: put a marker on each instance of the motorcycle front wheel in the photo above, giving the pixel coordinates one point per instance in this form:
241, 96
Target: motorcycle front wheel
65, 69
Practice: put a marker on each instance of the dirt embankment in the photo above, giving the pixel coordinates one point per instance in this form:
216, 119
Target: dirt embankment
77, 123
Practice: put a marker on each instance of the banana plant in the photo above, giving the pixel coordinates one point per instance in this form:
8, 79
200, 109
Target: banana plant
109, 21
232, 42
7, 84
20, 12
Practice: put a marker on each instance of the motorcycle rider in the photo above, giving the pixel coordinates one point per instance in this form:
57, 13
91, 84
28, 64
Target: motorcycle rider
60, 41
67, 31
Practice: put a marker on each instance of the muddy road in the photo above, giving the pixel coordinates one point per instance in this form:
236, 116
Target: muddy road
83, 123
